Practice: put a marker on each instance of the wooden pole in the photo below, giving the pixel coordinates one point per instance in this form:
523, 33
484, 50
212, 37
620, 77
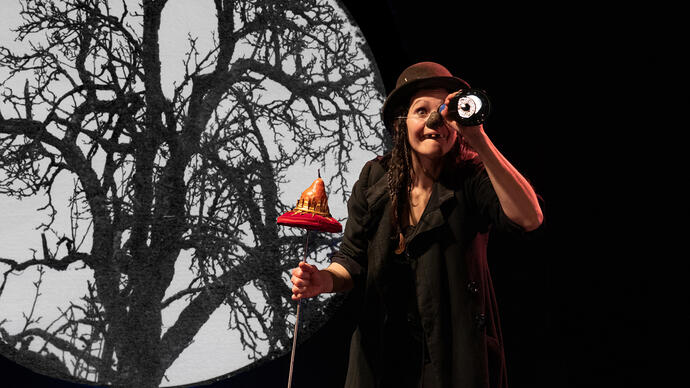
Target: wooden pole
294, 336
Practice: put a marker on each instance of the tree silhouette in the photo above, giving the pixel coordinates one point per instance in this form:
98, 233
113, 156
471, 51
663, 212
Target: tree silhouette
197, 173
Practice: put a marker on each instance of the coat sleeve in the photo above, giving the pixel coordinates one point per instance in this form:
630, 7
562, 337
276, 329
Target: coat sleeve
482, 194
352, 253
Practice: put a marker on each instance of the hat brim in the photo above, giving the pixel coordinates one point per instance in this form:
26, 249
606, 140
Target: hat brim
401, 96
310, 221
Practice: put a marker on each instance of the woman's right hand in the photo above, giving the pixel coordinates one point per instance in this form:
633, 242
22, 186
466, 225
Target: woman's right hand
308, 281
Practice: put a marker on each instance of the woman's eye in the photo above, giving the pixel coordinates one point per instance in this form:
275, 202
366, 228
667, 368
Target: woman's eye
421, 111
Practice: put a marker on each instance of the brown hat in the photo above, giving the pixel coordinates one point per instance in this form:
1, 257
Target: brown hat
422, 75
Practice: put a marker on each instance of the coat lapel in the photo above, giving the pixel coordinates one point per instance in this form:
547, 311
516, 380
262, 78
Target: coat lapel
429, 275
377, 194
433, 216
377, 220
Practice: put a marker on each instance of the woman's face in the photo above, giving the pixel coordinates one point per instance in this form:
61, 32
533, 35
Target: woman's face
428, 142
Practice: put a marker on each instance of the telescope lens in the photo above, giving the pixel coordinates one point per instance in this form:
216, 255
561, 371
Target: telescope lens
469, 105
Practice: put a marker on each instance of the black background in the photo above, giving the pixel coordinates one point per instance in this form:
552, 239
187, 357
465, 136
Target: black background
575, 305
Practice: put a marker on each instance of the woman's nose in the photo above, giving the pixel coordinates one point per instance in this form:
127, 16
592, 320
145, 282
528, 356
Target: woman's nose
434, 120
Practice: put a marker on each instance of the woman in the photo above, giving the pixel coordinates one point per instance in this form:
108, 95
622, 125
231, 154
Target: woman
415, 245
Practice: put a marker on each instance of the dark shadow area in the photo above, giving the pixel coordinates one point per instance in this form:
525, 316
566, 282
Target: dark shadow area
575, 303
15, 374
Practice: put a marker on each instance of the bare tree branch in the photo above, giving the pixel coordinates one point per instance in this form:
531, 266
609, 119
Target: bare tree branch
59, 264
199, 173
53, 340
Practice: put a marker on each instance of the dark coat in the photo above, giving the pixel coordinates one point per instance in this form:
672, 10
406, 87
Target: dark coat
455, 297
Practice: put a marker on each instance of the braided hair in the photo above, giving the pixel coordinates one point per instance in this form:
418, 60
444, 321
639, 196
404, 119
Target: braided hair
399, 178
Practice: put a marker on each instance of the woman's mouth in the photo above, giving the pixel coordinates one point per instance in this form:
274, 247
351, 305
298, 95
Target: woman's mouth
433, 136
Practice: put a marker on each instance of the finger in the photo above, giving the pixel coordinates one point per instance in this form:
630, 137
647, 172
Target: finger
451, 95
303, 275
298, 290
299, 282
299, 295
298, 272
307, 267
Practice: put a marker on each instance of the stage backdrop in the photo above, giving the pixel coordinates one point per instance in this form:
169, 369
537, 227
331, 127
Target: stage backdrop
145, 154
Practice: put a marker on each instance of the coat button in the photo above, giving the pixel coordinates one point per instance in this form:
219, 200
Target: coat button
480, 320
473, 287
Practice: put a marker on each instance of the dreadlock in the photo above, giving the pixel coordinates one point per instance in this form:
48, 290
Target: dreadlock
399, 178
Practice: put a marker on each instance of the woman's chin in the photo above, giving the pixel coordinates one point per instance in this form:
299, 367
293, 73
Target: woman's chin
431, 149
431, 152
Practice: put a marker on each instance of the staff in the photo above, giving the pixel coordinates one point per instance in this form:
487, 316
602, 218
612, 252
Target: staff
310, 213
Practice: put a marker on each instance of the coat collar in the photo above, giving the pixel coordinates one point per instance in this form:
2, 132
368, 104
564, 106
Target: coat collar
433, 216
377, 193
377, 196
